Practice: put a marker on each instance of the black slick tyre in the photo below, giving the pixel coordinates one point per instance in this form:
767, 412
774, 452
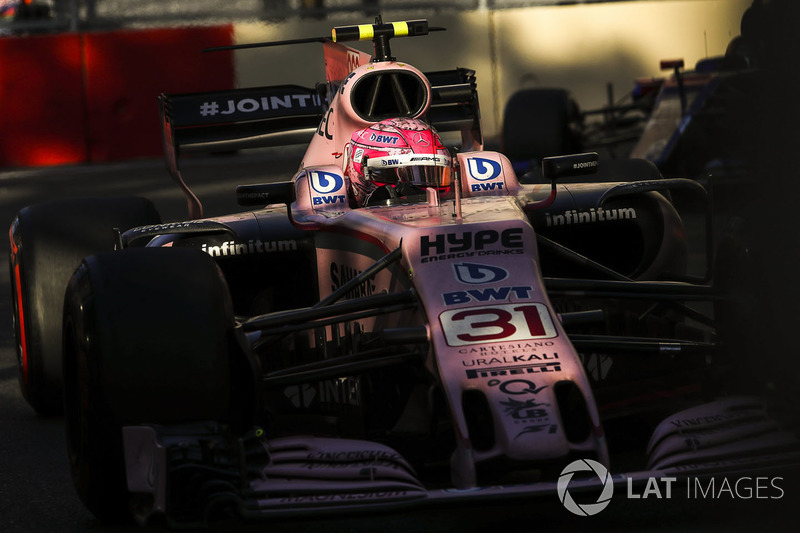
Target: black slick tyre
149, 338
48, 242
540, 123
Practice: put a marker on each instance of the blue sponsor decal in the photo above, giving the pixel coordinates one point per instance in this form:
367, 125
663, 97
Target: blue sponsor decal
483, 169
329, 199
490, 294
386, 139
326, 182
478, 187
477, 274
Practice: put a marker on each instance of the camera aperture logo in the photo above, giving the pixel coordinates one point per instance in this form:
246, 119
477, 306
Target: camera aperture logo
697, 488
586, 509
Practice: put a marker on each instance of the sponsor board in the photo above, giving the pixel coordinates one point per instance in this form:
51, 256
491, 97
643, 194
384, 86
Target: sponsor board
342, 391
341, 274
211, 108
516, 370
573, 216
507, 359
491, 294
463, 244
253, 246
327, 188
484, 175
505, 349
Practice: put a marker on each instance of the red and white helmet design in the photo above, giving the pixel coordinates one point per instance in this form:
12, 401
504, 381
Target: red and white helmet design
394, 151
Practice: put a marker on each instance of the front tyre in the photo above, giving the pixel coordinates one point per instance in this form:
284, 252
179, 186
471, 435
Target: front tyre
149, 337
48, 242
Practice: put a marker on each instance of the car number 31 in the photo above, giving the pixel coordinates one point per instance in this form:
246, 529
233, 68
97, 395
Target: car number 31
513, 322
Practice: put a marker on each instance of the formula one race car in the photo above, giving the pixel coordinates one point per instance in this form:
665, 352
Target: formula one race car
692, 123
398, 327
682, 123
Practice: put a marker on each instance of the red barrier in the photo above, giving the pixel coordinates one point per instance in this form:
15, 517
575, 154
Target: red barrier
42, 115
127, 70
75, 98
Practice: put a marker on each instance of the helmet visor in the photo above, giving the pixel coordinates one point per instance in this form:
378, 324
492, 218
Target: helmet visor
432, 170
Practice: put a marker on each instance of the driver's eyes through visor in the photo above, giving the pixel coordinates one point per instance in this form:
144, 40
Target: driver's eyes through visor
421, 175
383, 176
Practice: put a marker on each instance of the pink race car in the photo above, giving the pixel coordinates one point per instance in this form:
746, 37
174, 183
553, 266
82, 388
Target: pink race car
401, 325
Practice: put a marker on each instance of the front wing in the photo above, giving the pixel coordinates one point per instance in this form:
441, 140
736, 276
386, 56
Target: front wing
191, 474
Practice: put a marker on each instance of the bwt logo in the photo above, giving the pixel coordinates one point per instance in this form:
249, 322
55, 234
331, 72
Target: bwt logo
477, 274
488, 294
483, 169
326, 183
385, 139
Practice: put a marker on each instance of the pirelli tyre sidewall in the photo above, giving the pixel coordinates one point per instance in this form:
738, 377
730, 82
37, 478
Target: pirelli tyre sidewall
149, 338
48, 241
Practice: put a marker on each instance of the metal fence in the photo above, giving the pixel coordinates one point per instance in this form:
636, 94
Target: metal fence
74, 15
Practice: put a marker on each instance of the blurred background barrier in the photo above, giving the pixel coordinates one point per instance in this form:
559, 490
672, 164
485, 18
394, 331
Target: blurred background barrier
79, 97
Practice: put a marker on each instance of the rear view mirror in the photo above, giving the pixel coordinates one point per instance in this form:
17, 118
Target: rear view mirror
564, 166
262, 194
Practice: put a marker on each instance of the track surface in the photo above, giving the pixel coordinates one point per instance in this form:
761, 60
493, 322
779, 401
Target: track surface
36, 493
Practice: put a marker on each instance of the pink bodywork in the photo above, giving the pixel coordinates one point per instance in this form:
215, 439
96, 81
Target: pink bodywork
490, 323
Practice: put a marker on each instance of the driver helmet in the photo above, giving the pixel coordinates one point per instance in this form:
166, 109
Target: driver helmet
403, 153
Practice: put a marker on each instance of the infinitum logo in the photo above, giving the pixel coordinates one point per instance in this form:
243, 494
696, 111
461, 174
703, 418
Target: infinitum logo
573, 216
586, 509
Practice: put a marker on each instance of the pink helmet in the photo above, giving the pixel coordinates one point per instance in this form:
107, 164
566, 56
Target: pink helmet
396, 151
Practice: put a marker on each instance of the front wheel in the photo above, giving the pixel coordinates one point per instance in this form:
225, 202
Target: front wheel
149, 337
48, 242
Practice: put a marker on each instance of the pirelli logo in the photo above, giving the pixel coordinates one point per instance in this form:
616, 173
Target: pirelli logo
516, 370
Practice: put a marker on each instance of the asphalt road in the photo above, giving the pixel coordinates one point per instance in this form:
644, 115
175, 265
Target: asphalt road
36, 493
